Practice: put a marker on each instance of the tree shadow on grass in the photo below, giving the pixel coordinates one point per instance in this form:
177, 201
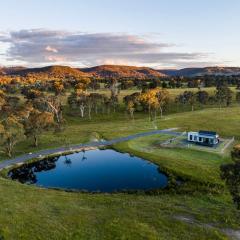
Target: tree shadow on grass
1, 235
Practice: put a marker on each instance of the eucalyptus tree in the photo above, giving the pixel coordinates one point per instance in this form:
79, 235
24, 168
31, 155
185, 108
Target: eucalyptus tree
163, 97
238, 97
97, 101
150, 102
78, 100
2, 100
37, 123
187, 97
132, 102
131, 108
11, 132
202, 97
223, 95
58, 87
114, 87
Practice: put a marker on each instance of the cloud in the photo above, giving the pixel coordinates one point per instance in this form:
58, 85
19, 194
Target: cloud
51, 49
41, 47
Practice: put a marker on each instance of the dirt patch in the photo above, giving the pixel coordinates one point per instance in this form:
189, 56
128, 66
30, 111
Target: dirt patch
234, 234
187, 219
231, 233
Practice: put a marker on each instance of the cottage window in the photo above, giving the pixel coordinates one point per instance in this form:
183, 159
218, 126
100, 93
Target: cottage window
190, 137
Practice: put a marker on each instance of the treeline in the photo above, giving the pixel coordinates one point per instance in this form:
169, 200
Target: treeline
153, 101
170, 82
69, 76
195, 82
223, 97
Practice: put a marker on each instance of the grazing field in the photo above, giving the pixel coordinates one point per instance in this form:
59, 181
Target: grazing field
203, 210
48, 214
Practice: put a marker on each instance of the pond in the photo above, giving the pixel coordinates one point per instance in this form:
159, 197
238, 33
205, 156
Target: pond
94, 170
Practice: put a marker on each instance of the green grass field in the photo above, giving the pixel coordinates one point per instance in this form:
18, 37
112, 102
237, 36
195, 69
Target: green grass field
28, 212
32, 213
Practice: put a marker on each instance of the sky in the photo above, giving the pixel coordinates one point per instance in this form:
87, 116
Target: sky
154, 33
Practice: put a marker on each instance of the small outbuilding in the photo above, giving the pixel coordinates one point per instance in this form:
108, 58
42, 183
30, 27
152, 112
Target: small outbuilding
205, 138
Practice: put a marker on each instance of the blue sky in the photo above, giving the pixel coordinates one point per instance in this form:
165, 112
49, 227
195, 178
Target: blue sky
156, 33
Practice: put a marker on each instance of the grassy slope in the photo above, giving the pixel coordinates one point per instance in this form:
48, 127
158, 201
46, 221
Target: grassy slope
122, 216
190, 164
32, 213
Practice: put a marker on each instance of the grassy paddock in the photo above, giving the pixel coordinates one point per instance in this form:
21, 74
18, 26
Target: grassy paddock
32, 213
28, 212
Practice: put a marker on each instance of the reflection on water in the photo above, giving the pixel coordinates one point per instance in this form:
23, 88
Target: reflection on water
95, 170
27, 172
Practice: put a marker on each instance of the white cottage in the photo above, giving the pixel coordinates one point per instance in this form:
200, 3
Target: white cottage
205, 138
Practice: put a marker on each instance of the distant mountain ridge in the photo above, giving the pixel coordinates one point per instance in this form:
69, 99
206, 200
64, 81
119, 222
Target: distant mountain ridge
49, 70
103, 71
120, 71
117, 71
191, 72
10, 70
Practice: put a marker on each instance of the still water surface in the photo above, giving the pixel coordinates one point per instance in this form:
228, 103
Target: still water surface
94, 170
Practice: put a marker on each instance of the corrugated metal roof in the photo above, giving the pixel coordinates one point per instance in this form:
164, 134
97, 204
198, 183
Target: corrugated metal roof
208, 133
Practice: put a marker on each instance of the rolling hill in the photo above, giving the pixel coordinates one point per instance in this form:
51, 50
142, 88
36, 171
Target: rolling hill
191, 72
118, 71
104, 71
50, 71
